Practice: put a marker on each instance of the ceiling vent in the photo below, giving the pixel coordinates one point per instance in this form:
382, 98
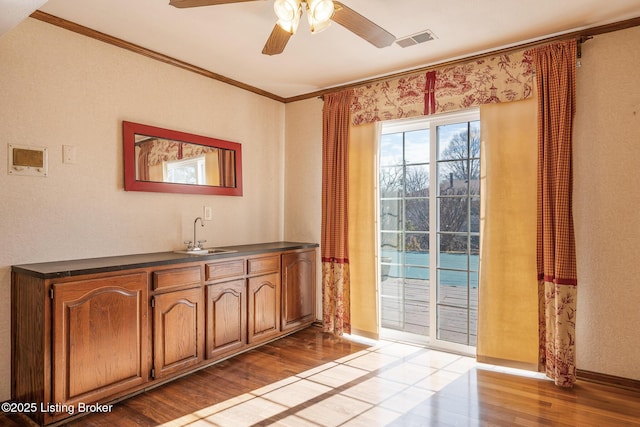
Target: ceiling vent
417, 38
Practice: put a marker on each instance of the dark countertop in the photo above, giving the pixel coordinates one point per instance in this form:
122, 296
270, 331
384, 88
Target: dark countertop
56, 269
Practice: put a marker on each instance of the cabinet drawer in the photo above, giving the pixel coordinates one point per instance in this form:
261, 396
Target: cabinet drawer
224, 269
266, 264
177, 278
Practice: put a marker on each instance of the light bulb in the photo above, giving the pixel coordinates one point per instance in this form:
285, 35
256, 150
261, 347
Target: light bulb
320, 10
288, 13
286, 10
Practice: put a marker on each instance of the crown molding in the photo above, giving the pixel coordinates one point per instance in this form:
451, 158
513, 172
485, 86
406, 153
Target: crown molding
582, 35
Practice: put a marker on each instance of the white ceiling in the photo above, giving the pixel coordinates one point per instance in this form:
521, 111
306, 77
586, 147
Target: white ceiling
14, 11
228, 39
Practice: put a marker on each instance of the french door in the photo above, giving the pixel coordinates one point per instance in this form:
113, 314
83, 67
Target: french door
429, 207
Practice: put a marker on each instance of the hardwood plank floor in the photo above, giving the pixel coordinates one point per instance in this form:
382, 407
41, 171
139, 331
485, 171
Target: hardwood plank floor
314, 379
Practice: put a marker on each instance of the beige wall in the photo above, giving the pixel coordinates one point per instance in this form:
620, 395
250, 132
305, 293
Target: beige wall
606, 202
303, 172
303, 178
56, 88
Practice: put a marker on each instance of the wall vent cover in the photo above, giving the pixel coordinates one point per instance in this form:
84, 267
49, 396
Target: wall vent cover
415, 39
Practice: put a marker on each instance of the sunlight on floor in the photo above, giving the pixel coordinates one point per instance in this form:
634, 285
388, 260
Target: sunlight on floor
372, 387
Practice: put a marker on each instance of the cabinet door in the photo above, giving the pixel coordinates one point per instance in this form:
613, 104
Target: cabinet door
298, 288
264, 307
100, 334
226, 317
178, 331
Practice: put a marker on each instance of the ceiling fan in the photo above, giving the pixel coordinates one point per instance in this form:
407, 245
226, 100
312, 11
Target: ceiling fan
319, 14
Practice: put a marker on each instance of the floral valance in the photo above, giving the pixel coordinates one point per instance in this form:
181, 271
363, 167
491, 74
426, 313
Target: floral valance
162, 150
501, 78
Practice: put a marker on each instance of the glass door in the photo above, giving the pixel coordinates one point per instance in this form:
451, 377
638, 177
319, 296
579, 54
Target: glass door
404, 231
429, 205
458, 231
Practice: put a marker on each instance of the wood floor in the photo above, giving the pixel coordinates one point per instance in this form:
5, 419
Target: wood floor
315, 379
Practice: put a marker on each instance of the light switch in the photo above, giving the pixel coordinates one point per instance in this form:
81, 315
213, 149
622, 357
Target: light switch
208, 213
69, 154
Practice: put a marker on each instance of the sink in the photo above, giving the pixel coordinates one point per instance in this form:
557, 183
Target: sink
206, 251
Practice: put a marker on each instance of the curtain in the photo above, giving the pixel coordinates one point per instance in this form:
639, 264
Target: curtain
143, 152
492, 79
334, 232
227, 168
507, 303
362, 228
556, 260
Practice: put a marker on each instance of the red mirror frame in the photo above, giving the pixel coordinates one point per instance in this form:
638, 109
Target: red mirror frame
130, 130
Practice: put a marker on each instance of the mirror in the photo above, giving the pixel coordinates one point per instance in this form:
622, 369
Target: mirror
168, 161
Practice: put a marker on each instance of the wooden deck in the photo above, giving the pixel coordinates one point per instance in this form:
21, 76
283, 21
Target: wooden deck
405, 307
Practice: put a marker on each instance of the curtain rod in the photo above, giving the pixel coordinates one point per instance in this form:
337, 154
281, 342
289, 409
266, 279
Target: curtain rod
582, 39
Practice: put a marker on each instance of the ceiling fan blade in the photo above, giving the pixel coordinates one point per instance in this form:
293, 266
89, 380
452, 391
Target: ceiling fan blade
277, 41
197, 3
361, 26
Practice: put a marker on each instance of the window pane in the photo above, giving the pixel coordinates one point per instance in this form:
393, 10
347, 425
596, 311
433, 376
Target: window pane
453, 252
417, 214
474, 176
473, 324
475, 215
452, 325
391, 181
453, 213
453, 288
417, 248
391, 149
453, 177
390, 275
453, 141
392, 312
391, 214
390, 247
416, 146
418, 274
417, 181
473, 283
474, 253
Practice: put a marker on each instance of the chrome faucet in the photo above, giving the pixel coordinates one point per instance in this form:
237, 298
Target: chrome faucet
195, 245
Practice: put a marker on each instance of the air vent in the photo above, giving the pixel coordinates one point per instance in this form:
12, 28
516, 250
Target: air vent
417, 38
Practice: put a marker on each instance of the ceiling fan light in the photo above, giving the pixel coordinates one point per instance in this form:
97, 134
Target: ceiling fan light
287, 10
317, 27
320, 11
288, 26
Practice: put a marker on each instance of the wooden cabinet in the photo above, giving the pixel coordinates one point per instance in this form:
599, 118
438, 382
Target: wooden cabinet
178, 320
107, 331
264, 307
264, 298
226, 318
298, 288
100, 332
178, 331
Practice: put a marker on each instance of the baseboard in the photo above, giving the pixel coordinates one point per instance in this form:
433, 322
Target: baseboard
527, 366
605, 379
